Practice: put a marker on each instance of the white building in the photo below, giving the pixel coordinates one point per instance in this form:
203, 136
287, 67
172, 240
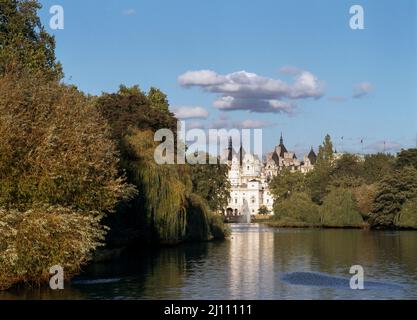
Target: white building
249, 176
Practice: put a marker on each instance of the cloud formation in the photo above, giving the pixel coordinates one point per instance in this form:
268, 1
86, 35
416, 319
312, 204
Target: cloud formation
191, 113
248, 91
362, 89
252, 124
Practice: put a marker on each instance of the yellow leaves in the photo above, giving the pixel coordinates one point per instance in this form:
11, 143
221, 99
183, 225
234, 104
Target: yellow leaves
33, 241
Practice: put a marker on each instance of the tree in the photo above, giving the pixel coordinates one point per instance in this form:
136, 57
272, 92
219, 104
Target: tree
263, 210
55, 148
296, 211
58, 178
407, 158
158, 100
318, 180
407, 216
392, 192
376, 166
24, 43
210, 181
131, 108
339, 209
284, 184
326, 151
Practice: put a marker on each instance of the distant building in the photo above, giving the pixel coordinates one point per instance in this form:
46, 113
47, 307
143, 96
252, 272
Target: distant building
249, 176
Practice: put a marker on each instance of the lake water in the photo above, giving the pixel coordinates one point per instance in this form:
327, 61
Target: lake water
257, 262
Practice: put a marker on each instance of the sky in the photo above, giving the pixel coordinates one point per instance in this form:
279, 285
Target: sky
294, 67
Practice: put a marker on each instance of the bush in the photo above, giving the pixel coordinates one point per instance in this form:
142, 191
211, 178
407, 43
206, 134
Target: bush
218, 228
55, 148
33, 241
365, 196
296, 211
407, 217
392, 192
339, 209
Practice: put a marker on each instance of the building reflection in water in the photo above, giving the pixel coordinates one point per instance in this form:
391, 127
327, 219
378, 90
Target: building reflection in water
251, 263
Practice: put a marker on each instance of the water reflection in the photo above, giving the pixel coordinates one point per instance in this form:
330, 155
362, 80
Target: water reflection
250, 265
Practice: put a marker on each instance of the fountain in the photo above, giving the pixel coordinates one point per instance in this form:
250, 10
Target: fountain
245, 212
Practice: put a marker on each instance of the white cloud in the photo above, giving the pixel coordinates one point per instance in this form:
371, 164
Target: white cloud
247, 91
362, 90
191, 113
252, 124
194, 125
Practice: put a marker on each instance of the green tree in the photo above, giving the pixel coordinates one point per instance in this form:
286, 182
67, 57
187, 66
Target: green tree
210, 181
407, 158
158, 100
326, 151
24, 43
131, 108
392, 192
296, 211
263, 210
376, 166
339, 209
285, 183
318, 180
407, 216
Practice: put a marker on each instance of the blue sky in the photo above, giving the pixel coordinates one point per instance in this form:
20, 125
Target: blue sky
306, 72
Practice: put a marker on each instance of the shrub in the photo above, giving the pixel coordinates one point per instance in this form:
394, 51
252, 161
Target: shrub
407, 217
55, 148
339, 209
33, 241
392, 192
298, 210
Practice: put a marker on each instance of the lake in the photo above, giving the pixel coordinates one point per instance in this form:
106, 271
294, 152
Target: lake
257, 262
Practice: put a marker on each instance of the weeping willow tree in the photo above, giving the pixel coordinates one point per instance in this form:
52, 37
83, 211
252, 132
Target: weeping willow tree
162, 193
339, 209
407, 217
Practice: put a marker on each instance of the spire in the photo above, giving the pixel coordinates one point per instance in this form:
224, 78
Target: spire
230, 149
282, 148
241, 154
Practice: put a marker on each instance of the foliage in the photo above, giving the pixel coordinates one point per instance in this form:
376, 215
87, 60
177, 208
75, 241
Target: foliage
296, 211
55, 148
33, 241
392, 192
263, 210
365, 195
407, 158
339, 209
25, 45
407, 217
162, 193
377, 166
326, 152
317, 181
285, 183
132, 108
210, 181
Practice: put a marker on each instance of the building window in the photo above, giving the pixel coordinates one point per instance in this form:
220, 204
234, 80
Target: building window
235, 200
